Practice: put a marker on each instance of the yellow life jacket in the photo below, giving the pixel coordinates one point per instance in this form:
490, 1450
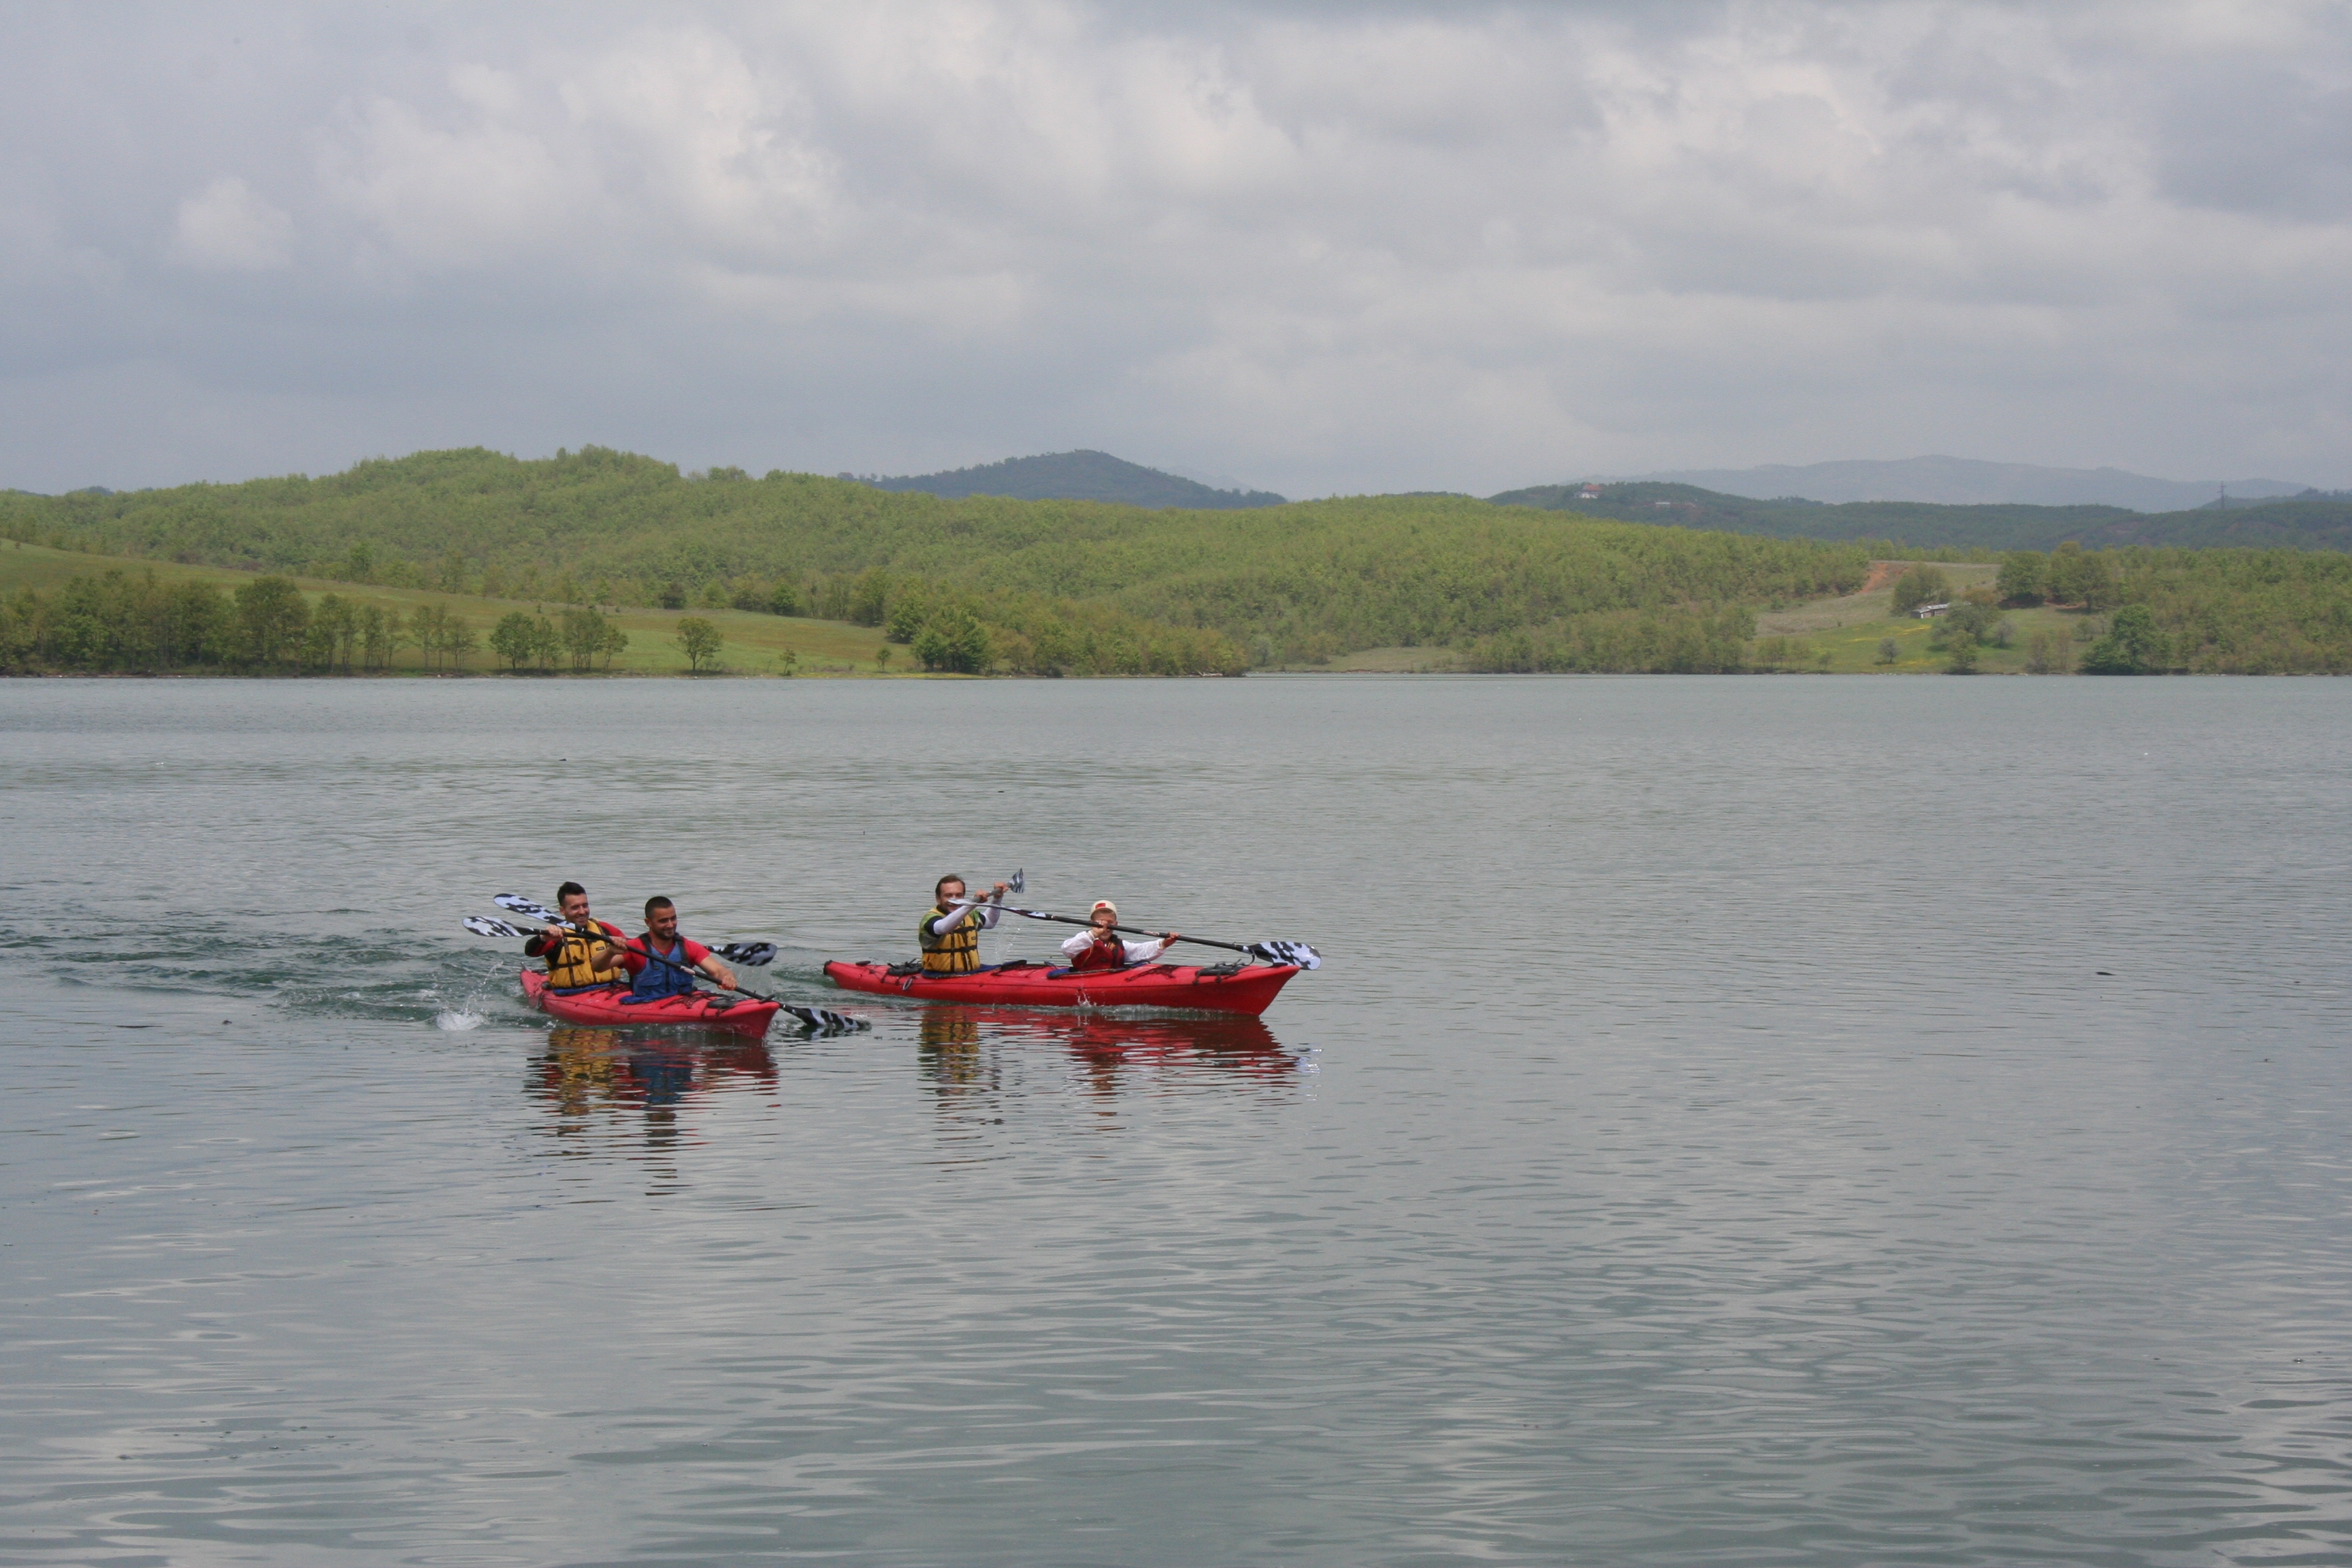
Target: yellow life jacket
567, 962
957, 952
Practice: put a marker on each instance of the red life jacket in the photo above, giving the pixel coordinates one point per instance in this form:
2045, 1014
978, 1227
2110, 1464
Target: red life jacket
1106, 952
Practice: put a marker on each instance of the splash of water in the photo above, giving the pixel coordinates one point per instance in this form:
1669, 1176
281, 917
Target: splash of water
468, 1014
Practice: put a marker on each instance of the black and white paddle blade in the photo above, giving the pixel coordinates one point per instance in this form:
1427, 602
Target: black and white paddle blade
483, 925
1296, 953
825, 1021
1018, 881
750, 954
526, 907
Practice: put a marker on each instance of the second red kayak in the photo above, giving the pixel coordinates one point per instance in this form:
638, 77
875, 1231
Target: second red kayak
609, 1005
1218, 989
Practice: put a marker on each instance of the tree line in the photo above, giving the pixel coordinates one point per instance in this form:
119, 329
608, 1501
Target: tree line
1290, 584
117, 620
1073, 587
2198, 612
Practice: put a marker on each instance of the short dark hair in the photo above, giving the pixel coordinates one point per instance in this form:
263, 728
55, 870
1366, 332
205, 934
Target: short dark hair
658, 902
942, 882
568, 888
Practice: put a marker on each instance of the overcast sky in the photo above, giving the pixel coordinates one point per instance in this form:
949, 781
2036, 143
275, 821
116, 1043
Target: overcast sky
1315, 247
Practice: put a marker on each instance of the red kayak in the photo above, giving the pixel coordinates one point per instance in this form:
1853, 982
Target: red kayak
609, 1005
1027, 984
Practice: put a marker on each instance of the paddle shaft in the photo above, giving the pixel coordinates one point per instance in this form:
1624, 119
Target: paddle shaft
1128, 931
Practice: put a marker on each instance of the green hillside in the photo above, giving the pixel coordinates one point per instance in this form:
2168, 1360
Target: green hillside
1061, 587
1288, 583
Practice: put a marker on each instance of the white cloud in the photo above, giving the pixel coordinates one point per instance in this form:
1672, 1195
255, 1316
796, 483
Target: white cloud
228, 227
1323, 248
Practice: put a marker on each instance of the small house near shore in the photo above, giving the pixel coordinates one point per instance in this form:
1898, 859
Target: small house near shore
1929, 612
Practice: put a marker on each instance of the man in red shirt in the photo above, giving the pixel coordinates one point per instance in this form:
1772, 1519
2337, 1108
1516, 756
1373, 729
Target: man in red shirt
649, 979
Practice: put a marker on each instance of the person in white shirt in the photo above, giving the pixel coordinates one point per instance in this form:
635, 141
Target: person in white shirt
1099, 946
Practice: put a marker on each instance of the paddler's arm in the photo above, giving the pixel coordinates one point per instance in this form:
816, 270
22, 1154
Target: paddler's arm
1151, 948
698, 956
611, 944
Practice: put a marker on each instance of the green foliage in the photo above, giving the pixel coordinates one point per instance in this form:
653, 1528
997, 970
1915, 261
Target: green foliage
1071, 587
1889, 651
1920, 586
2080, 577
2133, 645
116, 621
1967, 623
699, 640
445, 638
1963, 658
379, 636
332, 638
271, 616
1284, 582
1780, 653
869, 597
586, 635
514, 639
2021, 575
1665, 642
953, 639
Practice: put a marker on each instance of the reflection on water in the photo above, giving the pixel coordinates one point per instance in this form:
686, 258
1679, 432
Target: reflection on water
979, 1062
591, 1080
634, 1092
959, 1049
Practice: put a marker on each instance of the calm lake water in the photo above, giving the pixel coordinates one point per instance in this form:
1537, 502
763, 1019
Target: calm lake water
1809, 1121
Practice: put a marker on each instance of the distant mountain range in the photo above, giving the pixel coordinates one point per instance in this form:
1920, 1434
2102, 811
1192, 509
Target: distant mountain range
1076, 476
2308, 520
1966, 481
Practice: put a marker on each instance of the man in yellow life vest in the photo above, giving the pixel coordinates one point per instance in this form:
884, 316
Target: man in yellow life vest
575, 962
949, 929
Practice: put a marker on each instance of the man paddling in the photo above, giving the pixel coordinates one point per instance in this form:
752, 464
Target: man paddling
649, 979
577, 962
949, 929
1099, 947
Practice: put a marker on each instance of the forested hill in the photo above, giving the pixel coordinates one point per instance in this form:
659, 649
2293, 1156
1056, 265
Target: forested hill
1077, 476
1074, 587
2314, 521
1295, 582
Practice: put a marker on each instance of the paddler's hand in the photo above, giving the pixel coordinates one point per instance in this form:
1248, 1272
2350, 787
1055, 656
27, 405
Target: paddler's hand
1168, 938
998, 895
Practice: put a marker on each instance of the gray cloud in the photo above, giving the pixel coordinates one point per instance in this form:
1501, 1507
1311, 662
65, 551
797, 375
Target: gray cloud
1324, 248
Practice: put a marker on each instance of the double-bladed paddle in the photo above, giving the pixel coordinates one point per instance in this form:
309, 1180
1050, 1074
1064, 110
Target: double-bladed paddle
824, 1020
1292, 953
753, 955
